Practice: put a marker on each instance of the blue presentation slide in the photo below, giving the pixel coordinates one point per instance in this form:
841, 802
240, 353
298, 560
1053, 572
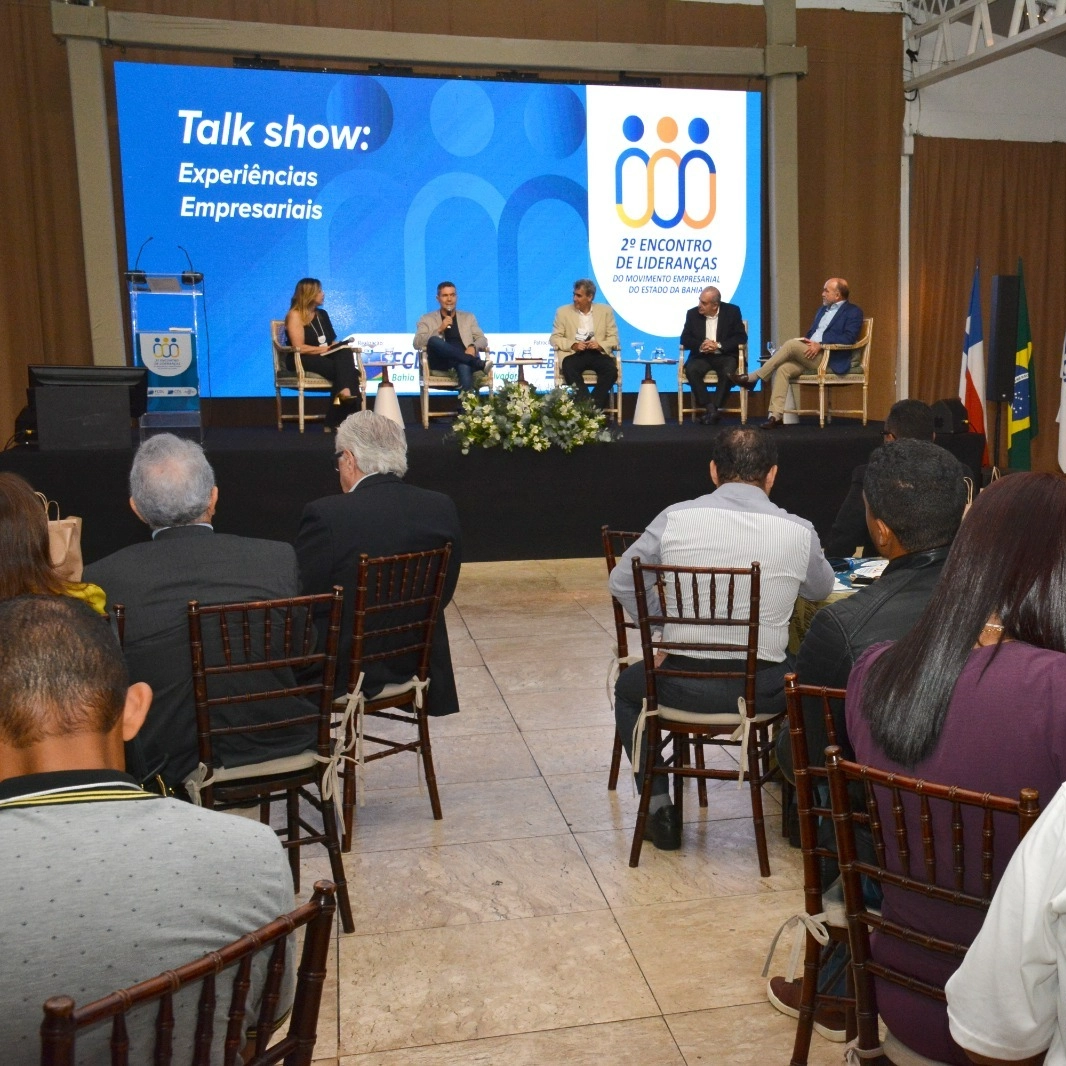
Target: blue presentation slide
383, 186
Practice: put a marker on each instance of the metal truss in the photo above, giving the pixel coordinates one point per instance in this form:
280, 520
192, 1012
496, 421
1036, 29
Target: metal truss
933, 48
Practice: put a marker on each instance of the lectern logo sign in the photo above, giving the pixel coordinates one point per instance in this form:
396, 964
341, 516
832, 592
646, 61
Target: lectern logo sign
166, 354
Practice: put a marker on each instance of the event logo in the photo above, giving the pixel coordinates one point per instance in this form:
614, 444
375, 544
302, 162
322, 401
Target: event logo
668, 181
167, 355
691, 170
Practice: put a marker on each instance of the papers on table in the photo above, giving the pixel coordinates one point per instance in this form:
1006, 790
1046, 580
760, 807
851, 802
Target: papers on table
869, 571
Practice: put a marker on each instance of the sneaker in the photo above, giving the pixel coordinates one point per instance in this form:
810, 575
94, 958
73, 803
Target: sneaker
663, 828
829, 1021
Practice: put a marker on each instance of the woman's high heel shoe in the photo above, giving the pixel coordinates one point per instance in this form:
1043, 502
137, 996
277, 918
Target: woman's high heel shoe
341, 408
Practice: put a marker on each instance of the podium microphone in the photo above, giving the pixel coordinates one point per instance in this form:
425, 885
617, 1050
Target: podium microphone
135, 276
191, 276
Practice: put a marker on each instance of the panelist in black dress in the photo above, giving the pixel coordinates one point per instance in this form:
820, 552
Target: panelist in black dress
312, 335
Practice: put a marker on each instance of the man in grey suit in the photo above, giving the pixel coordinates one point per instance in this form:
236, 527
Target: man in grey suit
584, 334
452, 338
173, 491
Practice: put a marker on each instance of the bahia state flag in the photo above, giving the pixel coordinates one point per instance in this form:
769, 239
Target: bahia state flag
1021, 418
972, 375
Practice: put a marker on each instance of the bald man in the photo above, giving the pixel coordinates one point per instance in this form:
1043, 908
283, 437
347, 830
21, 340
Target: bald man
838, 321
713, 334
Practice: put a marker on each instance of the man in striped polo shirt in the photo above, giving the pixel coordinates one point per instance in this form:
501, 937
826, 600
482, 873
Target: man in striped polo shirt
733, 526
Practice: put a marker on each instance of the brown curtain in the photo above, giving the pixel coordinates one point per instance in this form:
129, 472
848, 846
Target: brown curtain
996, 201
44, 314
850, 117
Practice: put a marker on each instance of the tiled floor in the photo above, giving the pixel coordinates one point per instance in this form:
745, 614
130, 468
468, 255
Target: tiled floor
513, 931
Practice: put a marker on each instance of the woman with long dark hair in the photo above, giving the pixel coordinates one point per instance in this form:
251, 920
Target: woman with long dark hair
312, 335
25, 563
975, 696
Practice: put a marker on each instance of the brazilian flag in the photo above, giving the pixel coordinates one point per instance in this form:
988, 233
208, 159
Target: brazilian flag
1021, 418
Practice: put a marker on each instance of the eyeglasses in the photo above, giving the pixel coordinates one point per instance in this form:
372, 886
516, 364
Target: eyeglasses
337, 456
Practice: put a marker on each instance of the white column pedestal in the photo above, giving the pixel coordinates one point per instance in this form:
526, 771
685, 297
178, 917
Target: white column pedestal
386, 404
649, 410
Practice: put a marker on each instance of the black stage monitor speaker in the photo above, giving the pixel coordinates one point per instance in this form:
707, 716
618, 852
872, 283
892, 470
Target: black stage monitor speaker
83, 418
1003, 337
133, 378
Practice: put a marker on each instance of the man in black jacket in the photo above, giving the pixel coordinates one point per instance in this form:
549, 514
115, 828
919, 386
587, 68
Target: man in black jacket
907, 420
713, 334
915, 497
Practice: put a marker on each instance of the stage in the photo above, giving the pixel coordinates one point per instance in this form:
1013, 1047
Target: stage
512, 505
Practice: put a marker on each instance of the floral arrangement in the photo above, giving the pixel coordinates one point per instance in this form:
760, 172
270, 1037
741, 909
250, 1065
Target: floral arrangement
517, 416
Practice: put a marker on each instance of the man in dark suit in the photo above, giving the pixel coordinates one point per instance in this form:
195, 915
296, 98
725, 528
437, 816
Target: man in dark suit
173, 491
378, 514
837, 321
713, 334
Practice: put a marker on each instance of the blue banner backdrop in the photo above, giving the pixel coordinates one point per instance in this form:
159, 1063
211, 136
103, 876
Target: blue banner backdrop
383, 186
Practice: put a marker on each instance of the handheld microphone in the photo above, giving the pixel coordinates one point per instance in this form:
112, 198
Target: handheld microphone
192, 276
138, 276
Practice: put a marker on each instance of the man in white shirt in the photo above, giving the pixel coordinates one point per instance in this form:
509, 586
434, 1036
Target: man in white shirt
837, 321
732, 527
584, 335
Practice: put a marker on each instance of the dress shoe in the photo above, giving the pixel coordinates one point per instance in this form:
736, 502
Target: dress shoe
785, 996
745, 381
663, 828
712, 417
773, 422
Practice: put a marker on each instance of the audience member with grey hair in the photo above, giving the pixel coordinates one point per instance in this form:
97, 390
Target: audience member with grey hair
378, 513
584, 335
172, 483
378, 444
173, 491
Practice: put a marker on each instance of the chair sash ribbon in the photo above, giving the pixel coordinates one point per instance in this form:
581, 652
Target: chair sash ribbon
356, 707
854, 1055
638, 740
803, 923
614, 668
740, 734
197, 781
